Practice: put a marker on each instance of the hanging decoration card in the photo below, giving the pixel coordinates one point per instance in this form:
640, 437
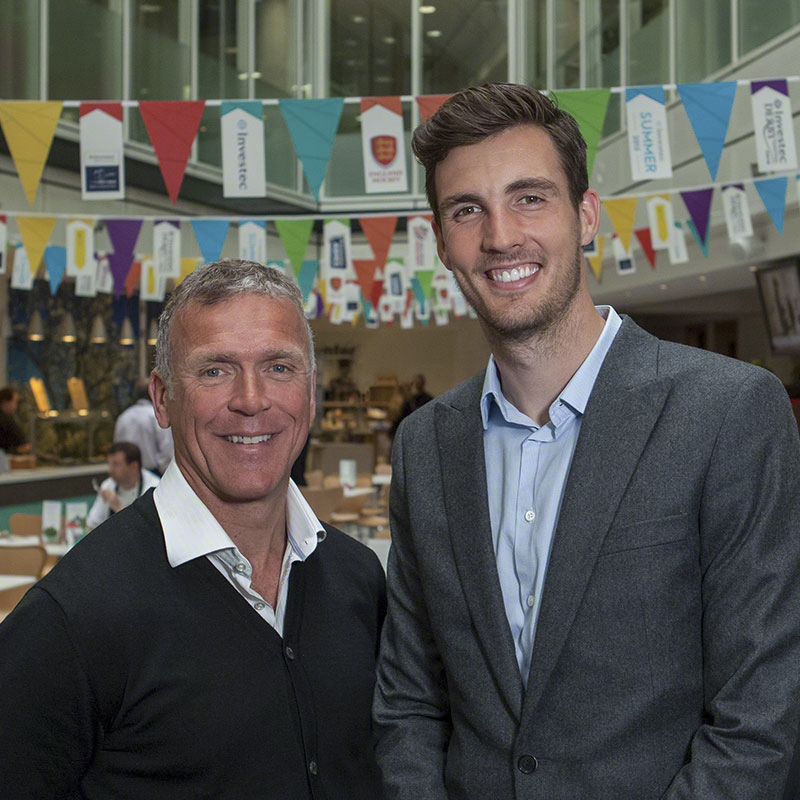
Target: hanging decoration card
102, 153
648, 135
243, 162
383, 145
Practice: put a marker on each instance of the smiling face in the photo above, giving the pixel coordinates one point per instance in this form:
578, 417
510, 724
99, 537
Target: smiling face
509, 232
242, 397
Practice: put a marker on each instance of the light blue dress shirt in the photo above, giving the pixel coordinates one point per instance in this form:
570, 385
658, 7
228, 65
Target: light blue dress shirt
526, 470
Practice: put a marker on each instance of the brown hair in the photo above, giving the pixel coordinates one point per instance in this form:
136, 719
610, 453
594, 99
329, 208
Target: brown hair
130, 450
474, 114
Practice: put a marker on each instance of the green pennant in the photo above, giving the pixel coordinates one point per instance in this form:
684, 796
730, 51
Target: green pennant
589, 107
295, 234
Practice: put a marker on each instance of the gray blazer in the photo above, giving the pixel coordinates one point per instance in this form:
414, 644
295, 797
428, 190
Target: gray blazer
667, 653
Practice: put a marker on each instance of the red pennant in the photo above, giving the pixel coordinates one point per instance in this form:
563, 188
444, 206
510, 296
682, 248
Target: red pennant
379, 232
428, 104
392, 103
172, 126
646, 242
365, 271
377, 292
133, 279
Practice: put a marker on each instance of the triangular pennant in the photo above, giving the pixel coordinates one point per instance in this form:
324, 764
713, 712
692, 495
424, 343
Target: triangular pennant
424, 278
646, 243
35, 233
133, 278
365, 274
702, 243
123, 234
295, 234
308, 274
172, 126
594, 256
772, 192
589, 107
622, 213
210, 235
29, 128
391, 102
377, 289
379, 232
709, 106
698, 204
312, 125
428, 104
55, 259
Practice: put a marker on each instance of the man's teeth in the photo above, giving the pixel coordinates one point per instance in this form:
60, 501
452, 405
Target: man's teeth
514, 274
249, 439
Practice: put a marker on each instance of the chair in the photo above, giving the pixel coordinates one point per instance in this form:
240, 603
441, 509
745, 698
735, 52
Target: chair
24, 562
25, 524
323, 501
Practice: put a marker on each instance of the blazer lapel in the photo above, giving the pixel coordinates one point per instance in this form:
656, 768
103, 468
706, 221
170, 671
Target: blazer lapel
460, 435
623, 408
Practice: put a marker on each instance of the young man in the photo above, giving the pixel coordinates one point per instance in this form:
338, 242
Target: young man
213, 639
593, 581
126, 481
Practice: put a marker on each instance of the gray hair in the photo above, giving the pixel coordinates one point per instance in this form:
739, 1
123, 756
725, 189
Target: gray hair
220, 281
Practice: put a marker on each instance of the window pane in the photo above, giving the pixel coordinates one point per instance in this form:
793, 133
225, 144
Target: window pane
760, 22
370, 48
94, 69
463, 44
222, 57
648, 43
276, 49
19, 50
536, 43
703, 38
567, 45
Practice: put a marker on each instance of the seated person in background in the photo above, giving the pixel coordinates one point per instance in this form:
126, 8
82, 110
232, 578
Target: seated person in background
417, 398
126, 481
214, 638
138, 424
12, 438
342, 388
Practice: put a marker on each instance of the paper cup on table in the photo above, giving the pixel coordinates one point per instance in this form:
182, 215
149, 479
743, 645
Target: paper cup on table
348, 469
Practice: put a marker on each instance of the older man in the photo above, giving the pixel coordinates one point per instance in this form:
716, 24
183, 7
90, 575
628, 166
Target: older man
213, 639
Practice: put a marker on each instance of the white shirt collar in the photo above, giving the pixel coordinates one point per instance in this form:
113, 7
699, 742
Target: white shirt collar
192, 531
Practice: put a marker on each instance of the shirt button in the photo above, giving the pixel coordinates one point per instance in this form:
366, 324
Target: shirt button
240, 568
530, 601
312, 767
260, 606
527, 764
530, 515
289, 652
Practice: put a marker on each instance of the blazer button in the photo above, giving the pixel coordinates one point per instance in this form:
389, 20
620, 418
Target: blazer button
527, 764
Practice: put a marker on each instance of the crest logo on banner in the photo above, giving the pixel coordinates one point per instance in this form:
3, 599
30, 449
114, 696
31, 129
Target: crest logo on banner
384, 149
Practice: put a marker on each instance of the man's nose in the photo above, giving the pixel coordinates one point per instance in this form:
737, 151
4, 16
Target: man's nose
251, 393
501, 231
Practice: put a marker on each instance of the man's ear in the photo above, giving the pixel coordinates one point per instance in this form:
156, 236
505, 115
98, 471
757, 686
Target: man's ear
158, 394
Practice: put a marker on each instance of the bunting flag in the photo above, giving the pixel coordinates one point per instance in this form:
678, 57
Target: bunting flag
646, 243
421, 284
428, 104
336, 267
737, 212
3, 244
661, 219
80, 246
622, 213
172, 127
104, 280
102, 151
308, 274
772, 192
55, 259
21, 274
253, 240
123, 234
383, 146
708, 107
678, 252
623, 256
379, 232
593, 253
421, 244
395, 288
187, 266
29, 128
701, 242
294, 235
243, 160
773, 125
35, 233
589, 107
151, 285
210, 235
167, 247
648, 136
365, 275
698, 204
133, 278
312, 125
377, 288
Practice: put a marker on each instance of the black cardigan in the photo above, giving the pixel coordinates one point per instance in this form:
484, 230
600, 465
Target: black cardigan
121, 677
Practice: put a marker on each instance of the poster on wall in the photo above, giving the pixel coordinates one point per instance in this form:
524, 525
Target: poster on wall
383, 145
102, 155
